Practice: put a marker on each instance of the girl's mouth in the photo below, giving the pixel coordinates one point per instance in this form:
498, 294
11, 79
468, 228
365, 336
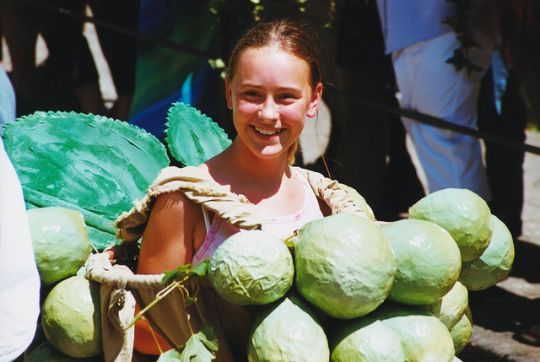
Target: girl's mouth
267, 132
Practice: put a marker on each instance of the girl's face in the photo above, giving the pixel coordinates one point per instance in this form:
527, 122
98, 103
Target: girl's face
270, 96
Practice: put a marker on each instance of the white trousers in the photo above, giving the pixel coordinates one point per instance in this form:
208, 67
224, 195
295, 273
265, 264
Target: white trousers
19, 278
430, 85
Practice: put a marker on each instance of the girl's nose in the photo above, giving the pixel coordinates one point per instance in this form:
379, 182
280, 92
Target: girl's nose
269, 111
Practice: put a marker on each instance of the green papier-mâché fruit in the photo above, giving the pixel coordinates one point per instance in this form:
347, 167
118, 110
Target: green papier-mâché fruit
70, 318
462, 332
367, 340
60, 242
288, 332
423, 336
344, 265
464, 214
47, 353
251, 267
428, 261
495, 262
450, 308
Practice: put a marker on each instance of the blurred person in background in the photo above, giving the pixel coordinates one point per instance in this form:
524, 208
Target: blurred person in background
440, 51
68, 78
19, 285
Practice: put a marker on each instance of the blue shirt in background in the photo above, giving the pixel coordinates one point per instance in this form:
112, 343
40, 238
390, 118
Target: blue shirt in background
406, 22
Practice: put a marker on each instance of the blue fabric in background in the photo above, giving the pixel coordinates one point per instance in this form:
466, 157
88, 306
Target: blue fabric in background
165, 75
500, 75
7, 100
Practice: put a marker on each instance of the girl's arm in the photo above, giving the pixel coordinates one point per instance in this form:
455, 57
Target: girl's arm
167, 243
168, 237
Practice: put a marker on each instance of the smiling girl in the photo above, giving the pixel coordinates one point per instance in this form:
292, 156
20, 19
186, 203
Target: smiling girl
273, 84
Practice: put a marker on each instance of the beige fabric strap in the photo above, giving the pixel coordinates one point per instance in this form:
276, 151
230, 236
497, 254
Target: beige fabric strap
234, 208
117, 307
337, 196
199, 188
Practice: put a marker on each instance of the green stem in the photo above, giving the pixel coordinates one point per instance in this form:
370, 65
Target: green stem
159, 296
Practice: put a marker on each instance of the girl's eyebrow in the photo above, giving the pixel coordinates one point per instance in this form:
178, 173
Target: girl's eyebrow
257, 86
249, 85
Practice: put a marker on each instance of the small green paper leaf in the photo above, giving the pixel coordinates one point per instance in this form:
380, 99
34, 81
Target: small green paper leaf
171, 355
192, 137
200, 347
185, 270
189, 301
200, 269
176, 274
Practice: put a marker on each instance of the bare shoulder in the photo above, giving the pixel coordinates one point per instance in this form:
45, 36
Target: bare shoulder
169, 235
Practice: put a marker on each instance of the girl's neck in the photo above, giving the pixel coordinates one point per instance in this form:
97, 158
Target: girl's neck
248, 174
258, 169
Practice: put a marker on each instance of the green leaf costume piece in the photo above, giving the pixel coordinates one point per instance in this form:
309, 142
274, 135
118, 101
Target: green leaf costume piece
200, 347
89, 163
192, 137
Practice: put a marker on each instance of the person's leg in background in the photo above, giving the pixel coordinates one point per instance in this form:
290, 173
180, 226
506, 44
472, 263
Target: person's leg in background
20, 31
70, 59
120, 50
402, 185
504, 165
430, 85
367, 151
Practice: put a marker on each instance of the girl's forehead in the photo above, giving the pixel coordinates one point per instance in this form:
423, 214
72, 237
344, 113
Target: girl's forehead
267, 49
270, 53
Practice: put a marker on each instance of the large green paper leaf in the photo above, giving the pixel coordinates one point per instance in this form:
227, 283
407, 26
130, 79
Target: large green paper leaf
192, 137
85, 162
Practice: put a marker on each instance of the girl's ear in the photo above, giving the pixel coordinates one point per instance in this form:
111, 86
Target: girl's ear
315, 99
228, 93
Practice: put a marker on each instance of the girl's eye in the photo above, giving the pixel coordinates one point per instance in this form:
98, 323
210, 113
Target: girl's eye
251, 93
286, 96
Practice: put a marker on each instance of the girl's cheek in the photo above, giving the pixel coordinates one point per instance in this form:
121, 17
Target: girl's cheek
247, 107
292, 112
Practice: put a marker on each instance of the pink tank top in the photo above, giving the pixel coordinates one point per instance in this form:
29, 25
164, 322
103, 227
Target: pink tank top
281, 226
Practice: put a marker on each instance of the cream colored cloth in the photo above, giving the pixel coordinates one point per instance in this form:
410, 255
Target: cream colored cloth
120, 288
199, 188
234, 208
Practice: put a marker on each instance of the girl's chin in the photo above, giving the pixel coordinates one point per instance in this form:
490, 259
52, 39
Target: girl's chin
271, 152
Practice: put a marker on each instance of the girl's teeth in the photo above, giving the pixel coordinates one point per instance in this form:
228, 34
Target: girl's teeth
265, 132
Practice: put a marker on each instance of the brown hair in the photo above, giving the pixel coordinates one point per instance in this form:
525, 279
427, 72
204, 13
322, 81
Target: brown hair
293, 37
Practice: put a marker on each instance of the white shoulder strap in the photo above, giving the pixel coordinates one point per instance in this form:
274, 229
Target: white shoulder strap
206, 218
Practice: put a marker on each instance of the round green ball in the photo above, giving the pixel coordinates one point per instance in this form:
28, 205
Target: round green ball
288, 332
423, 336
464, 214
495, 262
344, 265
251, 267
60, 242
367, 340
451, 307
70, 317
428, 261
462, 332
